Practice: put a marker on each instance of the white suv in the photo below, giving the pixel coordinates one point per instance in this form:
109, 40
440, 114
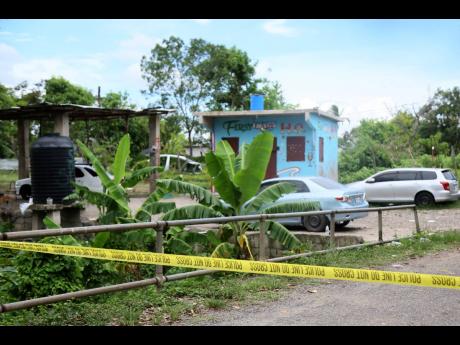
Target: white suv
84, 175
424, 186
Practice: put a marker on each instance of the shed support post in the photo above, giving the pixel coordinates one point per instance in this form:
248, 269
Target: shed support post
23, 149
154, 146
61, 124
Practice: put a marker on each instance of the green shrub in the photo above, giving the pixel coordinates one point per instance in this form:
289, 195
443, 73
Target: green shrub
41, 275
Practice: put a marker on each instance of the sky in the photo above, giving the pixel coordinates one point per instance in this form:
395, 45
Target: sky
368, 68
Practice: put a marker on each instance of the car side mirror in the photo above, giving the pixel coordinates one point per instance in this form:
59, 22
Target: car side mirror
370, 180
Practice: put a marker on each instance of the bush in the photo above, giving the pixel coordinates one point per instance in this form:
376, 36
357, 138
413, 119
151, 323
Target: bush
41, 275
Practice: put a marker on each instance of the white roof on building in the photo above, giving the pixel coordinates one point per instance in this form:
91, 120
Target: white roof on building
306, 112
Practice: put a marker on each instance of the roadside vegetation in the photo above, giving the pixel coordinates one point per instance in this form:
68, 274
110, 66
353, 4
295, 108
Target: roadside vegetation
193, 297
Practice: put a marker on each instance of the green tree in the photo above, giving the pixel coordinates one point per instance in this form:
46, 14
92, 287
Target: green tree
192, 77
7, 128
442, 115
274, 98
60, 91
117, 100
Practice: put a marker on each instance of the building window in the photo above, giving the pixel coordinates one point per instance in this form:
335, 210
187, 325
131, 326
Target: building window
321, 149
295, 149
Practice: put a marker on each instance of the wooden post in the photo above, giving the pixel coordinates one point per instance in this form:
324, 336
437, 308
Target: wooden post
417, 224
23, 149
263, 241
154, 146
61, 124
332, 230
380, 226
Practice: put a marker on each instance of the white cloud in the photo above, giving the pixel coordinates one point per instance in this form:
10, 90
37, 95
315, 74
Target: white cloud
201, 21
79, 71
279, 27
136, 46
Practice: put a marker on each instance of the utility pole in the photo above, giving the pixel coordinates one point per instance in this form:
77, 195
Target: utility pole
99, 96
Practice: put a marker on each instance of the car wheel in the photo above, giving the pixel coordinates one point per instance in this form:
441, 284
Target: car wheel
341, 225
25, 192
315, 223
424, 199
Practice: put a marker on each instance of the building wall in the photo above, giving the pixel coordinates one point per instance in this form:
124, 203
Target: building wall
247, 127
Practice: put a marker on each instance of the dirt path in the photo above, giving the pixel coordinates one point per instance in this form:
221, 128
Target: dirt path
350, 303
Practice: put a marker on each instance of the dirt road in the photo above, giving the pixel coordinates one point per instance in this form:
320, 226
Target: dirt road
351, 303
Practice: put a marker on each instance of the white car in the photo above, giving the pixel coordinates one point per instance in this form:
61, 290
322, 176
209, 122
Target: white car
424, 186
84, 175
170, 161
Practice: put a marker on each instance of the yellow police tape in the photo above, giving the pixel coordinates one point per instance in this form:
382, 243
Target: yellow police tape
245, 266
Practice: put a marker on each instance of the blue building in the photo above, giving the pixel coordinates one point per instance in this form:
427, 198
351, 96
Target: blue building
306, 142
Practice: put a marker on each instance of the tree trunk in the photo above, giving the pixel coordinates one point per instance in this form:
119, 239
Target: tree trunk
190, 143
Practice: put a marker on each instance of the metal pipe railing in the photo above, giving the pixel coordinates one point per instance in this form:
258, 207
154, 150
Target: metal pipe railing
156, 224
162, 225
157, 281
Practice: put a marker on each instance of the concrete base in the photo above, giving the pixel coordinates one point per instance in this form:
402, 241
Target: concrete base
63, 215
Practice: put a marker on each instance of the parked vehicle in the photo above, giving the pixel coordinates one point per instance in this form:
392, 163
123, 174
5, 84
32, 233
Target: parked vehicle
84, 175
181, 163
424, 186
330, 194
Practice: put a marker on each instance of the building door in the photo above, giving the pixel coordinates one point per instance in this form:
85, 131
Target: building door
234, 143
271, 169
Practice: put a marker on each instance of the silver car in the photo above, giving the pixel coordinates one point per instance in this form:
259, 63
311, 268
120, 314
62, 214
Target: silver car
424, 186
330, 194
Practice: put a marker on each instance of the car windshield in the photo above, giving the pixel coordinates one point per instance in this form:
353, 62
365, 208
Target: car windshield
326, 183
448, 175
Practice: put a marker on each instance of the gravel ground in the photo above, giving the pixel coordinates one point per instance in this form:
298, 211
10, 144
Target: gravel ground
350, 303
397, 223
401, 223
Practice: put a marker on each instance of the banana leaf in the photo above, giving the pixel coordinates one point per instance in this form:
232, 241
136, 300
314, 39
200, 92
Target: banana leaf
139, 175
292, 206
203, 195
221, 179
121, 157
279, 233
98, 167
269, 195
255, 160
225, 152
191, 212
224, 250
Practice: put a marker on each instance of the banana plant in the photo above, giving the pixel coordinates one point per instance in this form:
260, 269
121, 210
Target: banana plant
237, 180
113, 202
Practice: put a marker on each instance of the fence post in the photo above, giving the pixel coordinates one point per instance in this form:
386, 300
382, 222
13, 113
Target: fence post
263, 240
380, 226
159, 249
417, 225
332, 230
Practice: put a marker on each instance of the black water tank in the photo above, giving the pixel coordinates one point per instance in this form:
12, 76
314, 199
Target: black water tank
52, 167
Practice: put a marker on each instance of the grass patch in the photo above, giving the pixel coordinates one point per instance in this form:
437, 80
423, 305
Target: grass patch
6, 177
191, 296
